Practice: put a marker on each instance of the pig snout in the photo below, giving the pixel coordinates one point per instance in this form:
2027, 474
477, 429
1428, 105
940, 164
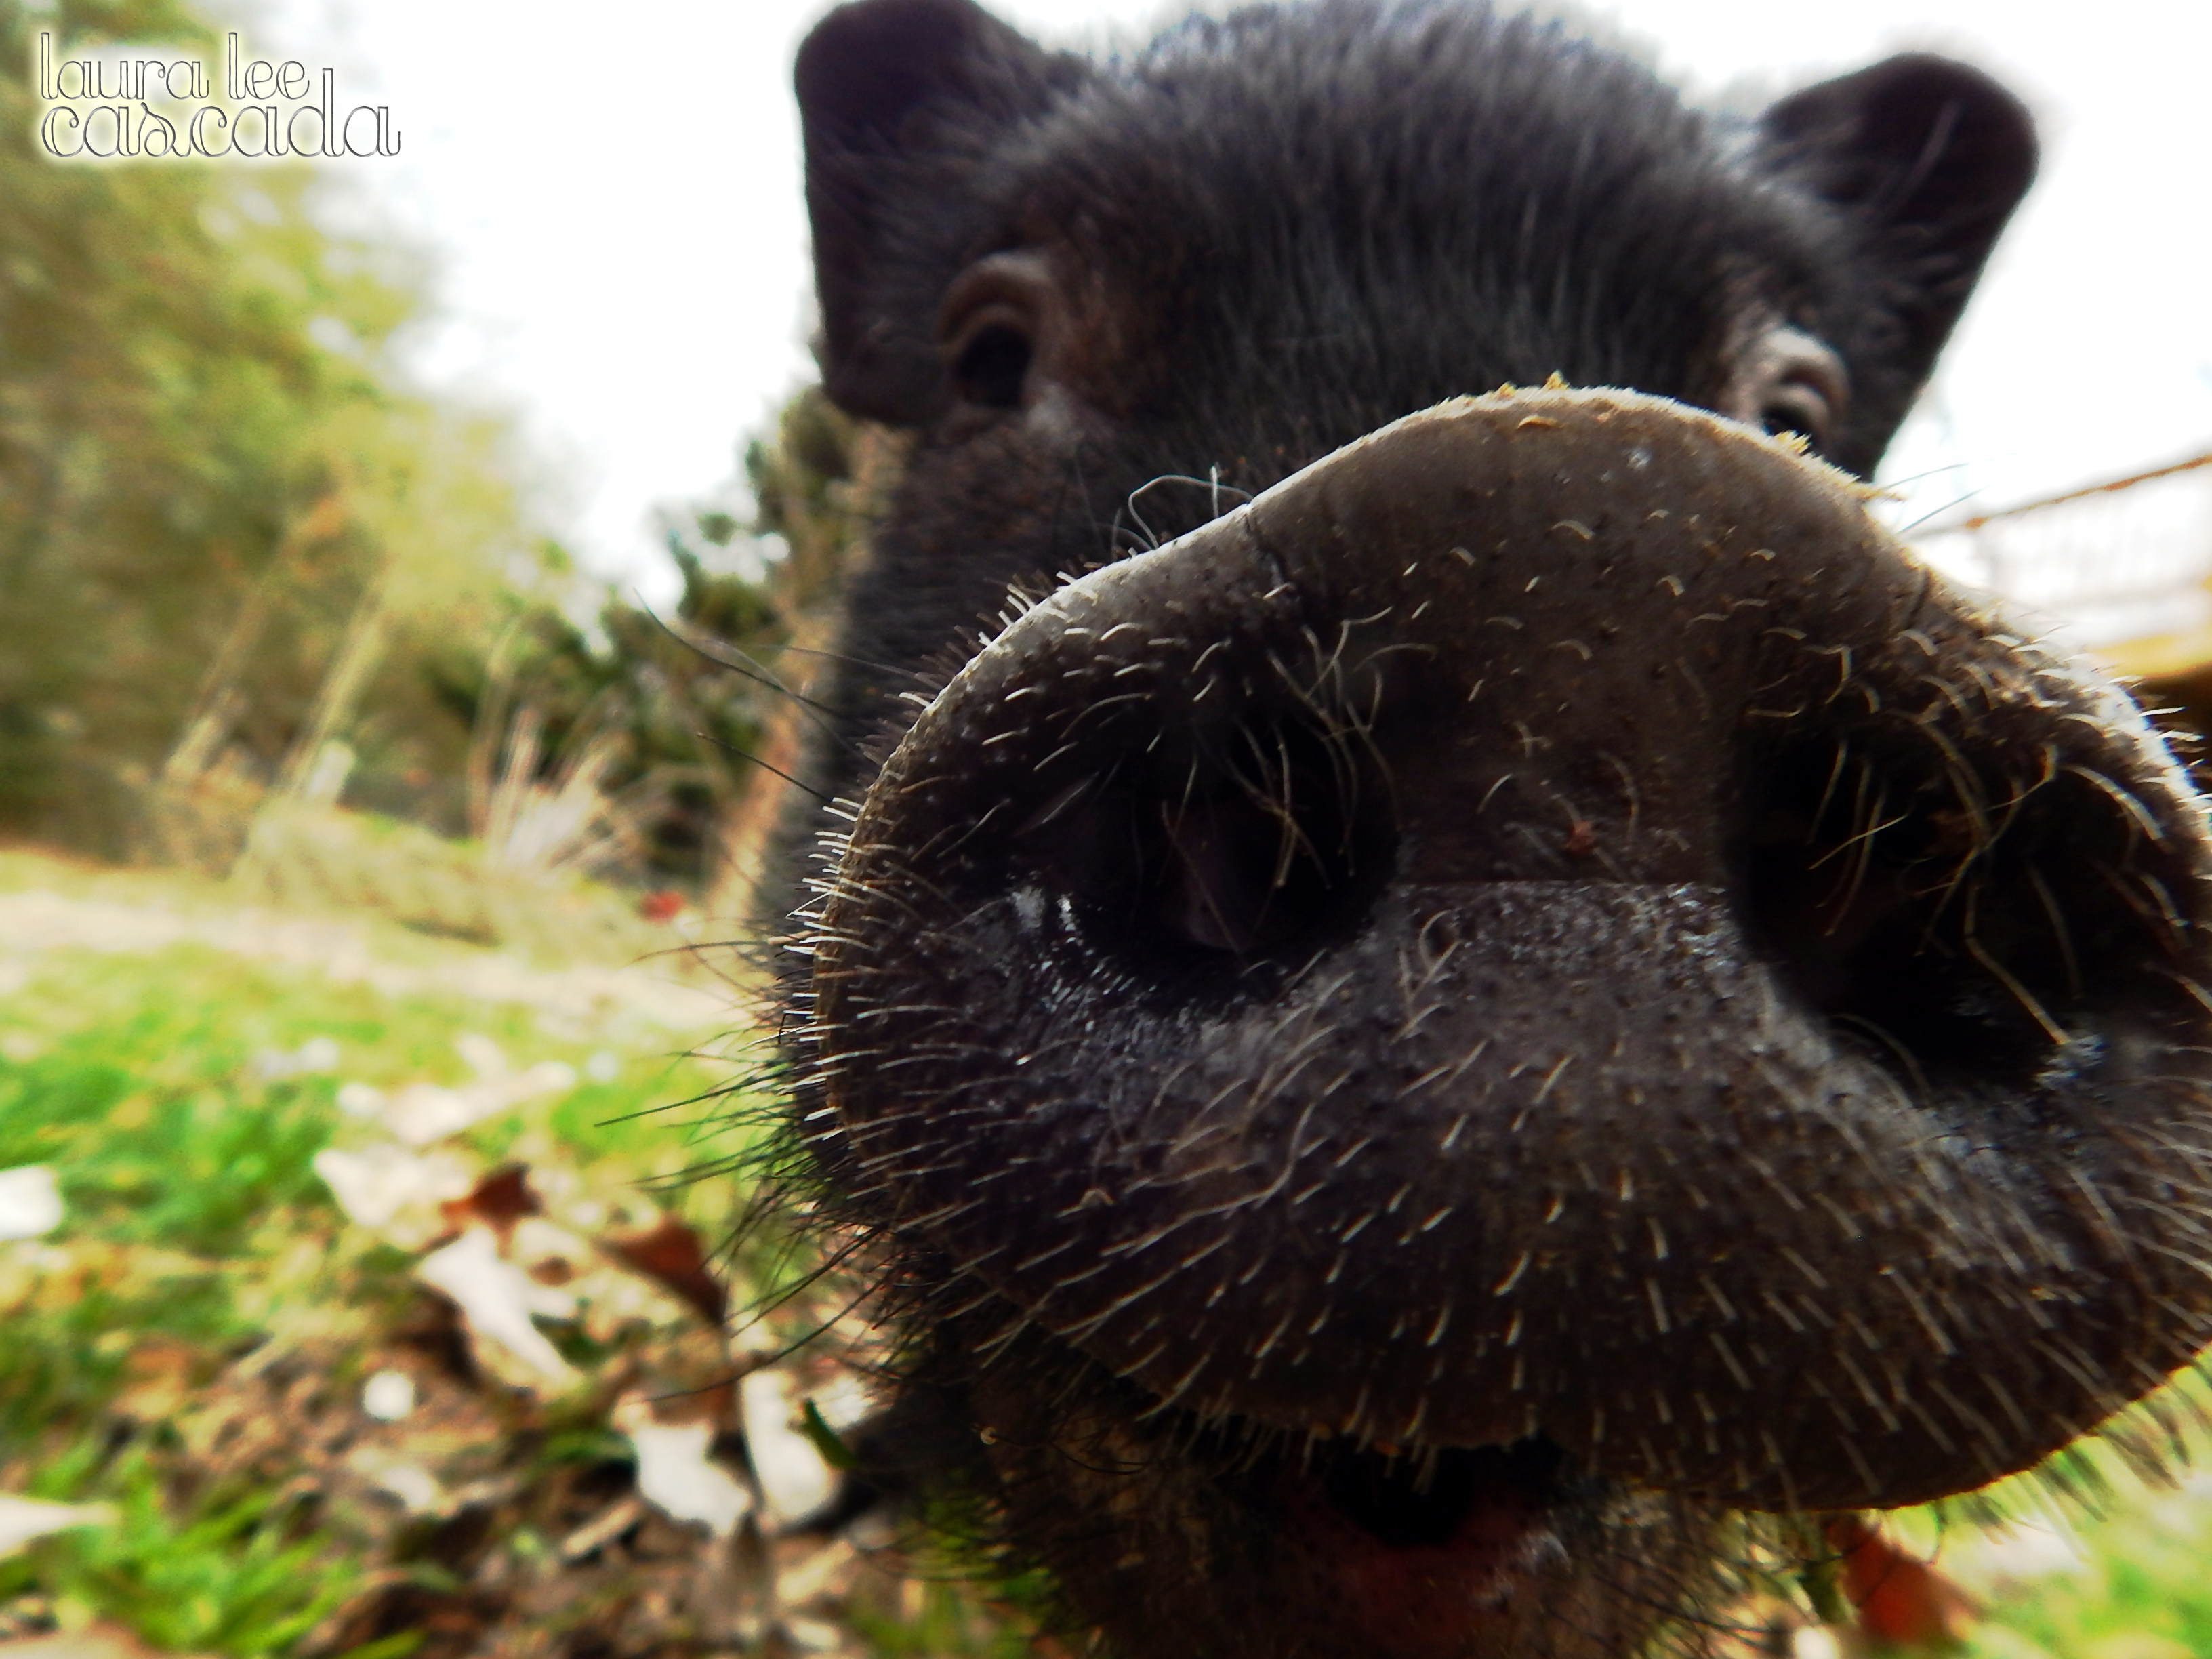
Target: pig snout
1546, 929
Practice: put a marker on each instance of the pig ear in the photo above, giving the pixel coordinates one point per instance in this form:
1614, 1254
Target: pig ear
1926, 158
902, 103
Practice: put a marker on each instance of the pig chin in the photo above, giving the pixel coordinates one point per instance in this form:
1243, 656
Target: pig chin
1233, 1538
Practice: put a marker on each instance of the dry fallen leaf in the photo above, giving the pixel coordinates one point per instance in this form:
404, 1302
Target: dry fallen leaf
675, 1474
99, 1642
497, 1300
1899, 1598
670, 1255
393, 1192
22, 1519
423, 1112
30, 1202
500, 1199
794, 1480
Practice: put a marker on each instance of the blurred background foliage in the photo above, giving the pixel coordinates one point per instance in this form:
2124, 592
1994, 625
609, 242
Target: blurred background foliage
248, 568
294, 633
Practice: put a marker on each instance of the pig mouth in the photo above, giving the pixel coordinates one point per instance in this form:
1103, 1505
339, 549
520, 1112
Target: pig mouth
1427, 1550
1544, 930
1487, 1507
1229, 1536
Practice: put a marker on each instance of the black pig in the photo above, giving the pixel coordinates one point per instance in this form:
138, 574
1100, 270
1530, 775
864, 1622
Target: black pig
1413, 1055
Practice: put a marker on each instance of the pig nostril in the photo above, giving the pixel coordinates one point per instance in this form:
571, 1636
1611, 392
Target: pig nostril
1234, 875
1248, 876
1951, 940
1221, 863
1224, 875
1854, 871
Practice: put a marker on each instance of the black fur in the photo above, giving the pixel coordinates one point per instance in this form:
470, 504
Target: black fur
1107, 302
1300, 223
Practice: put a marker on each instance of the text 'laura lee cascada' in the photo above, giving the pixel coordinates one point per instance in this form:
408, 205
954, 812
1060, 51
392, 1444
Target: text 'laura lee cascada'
114, 104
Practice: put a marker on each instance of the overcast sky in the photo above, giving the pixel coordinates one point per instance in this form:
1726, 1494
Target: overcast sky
613, 195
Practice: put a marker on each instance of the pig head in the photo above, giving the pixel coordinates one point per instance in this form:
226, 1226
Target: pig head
1470, 985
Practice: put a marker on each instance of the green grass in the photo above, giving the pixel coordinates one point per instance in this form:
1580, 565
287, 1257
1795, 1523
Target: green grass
232, 1573
948, 1625
139, 1080
163, 1087
2143, 1590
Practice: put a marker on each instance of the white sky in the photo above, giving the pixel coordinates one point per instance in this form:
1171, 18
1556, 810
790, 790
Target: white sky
617, 209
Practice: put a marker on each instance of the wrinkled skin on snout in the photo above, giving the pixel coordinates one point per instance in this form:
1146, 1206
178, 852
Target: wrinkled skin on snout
1407, 1048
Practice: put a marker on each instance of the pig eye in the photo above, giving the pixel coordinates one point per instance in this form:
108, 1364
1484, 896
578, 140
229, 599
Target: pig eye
991, 363
1797, 408
1793, 383
995, 315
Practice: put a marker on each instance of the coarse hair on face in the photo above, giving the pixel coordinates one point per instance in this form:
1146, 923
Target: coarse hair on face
1094, 849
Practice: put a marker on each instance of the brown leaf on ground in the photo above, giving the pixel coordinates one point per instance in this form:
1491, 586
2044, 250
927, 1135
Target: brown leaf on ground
1901, 1600
672, 1255
501, 1198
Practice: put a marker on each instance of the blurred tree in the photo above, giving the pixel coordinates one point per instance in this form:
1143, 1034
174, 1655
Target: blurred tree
708, 694
816, 485
209, 466
245, 565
